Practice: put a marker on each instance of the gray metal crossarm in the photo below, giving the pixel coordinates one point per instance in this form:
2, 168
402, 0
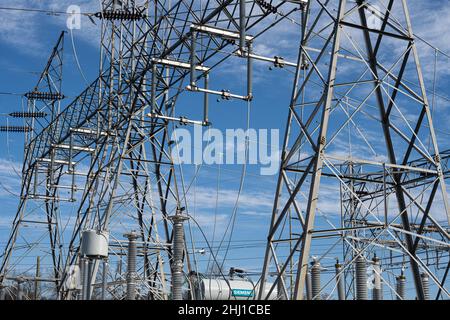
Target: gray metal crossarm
222, 33
178, 64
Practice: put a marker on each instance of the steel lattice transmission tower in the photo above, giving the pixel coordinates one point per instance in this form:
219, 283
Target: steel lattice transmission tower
359, 76
104, 165
43, 104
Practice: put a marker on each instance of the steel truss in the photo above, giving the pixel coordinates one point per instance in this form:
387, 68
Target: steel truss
108, 154
364, 78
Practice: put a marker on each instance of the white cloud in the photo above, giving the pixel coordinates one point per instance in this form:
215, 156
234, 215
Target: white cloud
24, 29
205, 198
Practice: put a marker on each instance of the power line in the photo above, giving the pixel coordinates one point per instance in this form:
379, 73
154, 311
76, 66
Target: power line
49, 12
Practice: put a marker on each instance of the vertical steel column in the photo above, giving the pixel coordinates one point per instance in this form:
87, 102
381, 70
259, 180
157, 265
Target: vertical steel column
193, 59
153, 88
177, 264
268, 256
131, 268
340, 281
36, 281
249, 72
390, 147
206, 101
71, 166
428, 113
318, 160
242, 22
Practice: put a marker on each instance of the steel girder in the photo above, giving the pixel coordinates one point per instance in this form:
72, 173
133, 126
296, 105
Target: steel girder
105, 142
355, 80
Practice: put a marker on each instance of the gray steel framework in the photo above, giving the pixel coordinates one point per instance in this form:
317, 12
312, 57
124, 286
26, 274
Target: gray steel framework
108, 153
354, 78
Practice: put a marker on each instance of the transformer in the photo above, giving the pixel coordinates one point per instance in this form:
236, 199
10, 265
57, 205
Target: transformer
220, 289
94, 244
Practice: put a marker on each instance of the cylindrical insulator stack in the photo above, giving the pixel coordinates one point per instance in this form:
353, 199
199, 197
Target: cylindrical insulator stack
401, 287
315, 280
340, 281
281, 293
104, 279
177, 256
85, 279
377, 293
308, 286
426, 286
131, 268
19, 291
2, 292
361, 279
90, 280
382, 290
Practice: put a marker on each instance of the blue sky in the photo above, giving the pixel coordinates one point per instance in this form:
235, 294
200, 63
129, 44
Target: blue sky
26, 40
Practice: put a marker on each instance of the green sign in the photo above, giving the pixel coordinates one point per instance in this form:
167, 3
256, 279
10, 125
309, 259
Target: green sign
242, 293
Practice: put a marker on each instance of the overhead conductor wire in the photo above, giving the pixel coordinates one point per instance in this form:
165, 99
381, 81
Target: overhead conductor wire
232, 221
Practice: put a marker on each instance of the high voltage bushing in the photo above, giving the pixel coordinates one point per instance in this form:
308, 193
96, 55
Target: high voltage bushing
340, 281
308, 286
401, 287
2, 293
120, 15
266, 5
14, 129
315, 280
104, 279
426, 286
131, 269
361, 278
382, 290
28, 114
377, 293
44, 96
85, 285
177, 255
19, 294
281, 293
